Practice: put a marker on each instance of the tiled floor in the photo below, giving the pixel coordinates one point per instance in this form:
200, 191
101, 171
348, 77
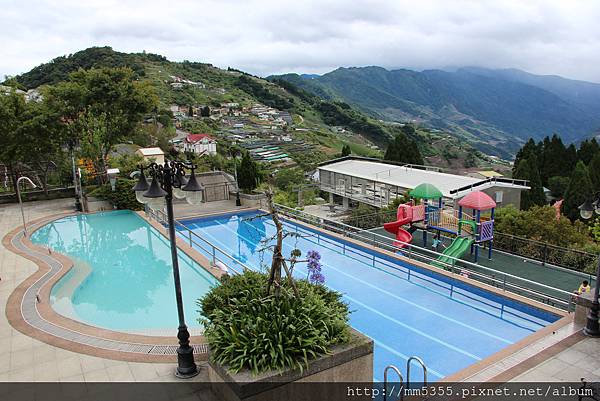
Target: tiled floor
23, 358
580, 361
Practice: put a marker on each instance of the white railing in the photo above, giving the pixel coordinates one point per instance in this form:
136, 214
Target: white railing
505, 281
214, 253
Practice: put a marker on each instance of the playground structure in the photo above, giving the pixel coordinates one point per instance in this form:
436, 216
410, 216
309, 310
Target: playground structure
472, 231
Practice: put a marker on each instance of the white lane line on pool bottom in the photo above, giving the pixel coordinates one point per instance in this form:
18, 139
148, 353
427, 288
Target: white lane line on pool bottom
414, 330
441, 316
417, 331
405, 357
442, 293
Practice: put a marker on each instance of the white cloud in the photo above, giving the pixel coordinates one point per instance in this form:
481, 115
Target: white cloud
267, 36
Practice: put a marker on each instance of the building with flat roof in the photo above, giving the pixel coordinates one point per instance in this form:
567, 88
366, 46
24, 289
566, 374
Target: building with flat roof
377, 182
154, 154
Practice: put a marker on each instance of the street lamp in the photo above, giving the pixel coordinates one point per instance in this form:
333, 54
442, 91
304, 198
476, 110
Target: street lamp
21, 202
166, 179
592, 327
238, 201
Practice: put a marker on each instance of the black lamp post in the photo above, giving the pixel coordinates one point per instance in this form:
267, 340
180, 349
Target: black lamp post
169, 180
592, 327
238, 201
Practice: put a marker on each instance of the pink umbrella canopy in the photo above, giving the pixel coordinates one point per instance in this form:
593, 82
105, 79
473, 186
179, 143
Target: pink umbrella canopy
477, 200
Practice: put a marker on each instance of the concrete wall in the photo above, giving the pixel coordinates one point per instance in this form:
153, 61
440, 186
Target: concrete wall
350, 363
510, 196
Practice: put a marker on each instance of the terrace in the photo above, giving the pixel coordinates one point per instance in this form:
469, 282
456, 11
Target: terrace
566, 347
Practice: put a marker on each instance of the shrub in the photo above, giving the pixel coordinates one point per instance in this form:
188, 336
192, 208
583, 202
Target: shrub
247, 329
123, 197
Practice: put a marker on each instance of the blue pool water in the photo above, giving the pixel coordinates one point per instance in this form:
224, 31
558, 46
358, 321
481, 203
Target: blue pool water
122, 278
406, 310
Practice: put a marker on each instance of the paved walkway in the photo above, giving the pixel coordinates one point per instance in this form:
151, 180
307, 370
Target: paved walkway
23, 358
579, 361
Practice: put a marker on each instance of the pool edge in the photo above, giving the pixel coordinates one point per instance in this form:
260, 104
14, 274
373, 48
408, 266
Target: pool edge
125, 344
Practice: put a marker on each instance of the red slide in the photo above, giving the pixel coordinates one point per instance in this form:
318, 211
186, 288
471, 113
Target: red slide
404, 217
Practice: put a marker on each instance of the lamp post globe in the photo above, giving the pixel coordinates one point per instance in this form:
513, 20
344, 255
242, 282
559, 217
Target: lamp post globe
586, 210
141, 187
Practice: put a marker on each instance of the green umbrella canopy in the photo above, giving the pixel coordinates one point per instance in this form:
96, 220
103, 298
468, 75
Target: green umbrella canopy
426, 191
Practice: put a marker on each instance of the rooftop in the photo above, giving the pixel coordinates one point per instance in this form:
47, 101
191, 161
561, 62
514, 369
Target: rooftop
409, 176
151, 151
191, 138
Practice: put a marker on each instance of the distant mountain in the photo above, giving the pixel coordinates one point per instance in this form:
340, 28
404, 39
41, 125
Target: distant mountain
490, 108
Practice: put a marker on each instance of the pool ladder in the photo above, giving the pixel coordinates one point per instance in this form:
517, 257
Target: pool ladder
395, 369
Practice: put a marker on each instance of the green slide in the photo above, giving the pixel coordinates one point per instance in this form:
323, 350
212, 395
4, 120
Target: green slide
458, 247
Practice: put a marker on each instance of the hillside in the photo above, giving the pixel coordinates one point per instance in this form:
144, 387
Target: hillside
319, 125
493, 110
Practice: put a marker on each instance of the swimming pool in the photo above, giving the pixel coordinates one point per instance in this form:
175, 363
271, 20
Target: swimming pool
405, 309
122, 277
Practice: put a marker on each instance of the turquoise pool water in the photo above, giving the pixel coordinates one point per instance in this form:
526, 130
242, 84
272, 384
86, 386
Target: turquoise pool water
122, 278
405, 309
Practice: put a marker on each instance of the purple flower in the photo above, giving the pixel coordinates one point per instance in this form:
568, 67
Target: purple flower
314, 266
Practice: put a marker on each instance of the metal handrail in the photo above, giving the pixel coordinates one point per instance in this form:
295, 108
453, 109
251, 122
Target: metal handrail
420, 361
545, 249
204, 245
453, 269
347, 230
385, 373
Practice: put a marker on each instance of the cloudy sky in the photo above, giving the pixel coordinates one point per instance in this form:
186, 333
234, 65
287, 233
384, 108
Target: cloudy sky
264, 37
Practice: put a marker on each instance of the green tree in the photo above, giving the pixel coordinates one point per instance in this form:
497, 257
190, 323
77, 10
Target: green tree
248, 173
557, 185
12, 115
540, 223
404, 150
102, 107
555, 160
594, 171
526, 151
587, 150
289, 179
40, 140
578, 191
528, 170
346, 151
570, 158
191, 111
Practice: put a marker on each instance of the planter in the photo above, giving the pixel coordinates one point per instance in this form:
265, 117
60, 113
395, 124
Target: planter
97, 205
250, 200
348, 363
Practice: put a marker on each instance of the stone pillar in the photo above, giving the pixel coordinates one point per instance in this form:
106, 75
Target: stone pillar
331, 198
345, 203
363, 188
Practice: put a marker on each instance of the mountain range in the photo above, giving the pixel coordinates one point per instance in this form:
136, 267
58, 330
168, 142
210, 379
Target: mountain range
495, 110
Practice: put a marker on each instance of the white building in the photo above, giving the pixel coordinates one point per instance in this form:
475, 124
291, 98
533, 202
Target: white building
152, 155
200, 143
377, 183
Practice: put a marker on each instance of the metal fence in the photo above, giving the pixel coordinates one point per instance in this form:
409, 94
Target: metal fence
543, 252
546, 253
501, 280
218, 257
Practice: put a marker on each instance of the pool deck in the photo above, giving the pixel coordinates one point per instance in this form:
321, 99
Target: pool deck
23, 358
26, 359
